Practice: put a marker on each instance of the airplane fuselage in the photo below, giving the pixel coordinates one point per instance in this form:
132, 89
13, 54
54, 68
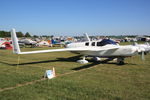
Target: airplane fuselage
118, 51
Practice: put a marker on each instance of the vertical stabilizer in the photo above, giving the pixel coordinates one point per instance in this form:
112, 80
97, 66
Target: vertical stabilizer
16, 48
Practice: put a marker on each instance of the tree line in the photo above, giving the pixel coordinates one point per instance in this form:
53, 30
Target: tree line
19, 34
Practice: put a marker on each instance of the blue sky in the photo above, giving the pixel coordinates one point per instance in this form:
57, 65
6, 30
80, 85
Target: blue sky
74, 17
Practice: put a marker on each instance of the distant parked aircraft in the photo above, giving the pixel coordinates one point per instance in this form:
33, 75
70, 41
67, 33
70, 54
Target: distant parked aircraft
27, 42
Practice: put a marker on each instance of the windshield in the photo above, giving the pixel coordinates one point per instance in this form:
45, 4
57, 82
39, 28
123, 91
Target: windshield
105, 42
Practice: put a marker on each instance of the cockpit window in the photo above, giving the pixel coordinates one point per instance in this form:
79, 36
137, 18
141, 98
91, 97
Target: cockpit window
99, 44
87, 44
93, 44
105, 42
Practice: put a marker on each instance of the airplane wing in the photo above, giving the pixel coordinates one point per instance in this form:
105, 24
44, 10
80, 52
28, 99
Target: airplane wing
16, 48
67, 49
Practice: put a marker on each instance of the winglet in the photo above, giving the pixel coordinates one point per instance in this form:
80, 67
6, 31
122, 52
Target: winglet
135, 44
146, 43
16, 48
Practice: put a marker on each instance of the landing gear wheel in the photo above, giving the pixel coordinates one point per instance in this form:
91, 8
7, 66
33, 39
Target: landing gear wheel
120, 61
83, 61
96, 59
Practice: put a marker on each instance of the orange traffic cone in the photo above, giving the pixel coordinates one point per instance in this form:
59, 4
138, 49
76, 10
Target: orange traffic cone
54, 74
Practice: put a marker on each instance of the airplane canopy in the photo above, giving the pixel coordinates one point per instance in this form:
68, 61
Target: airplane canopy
106, 41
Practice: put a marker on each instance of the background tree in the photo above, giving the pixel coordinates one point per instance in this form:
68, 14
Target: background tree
35, 36
4, 34
20, 34
27, 34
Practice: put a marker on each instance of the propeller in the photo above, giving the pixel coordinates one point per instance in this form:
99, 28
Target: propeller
142, 56
141, 51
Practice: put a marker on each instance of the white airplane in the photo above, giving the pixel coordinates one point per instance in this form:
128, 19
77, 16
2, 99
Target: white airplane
30, 42
105, 48
27, 41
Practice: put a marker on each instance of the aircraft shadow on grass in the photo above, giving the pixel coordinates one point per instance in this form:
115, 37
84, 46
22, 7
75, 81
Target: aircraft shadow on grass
70, 59
106, 61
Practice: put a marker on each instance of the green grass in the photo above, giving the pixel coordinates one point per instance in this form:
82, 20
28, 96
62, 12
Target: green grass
96, 82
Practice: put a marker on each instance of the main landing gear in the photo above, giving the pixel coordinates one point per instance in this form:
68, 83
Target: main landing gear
96, 59
83, 61
120, 61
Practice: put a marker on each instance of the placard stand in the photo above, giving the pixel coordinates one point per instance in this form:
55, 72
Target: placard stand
50, 74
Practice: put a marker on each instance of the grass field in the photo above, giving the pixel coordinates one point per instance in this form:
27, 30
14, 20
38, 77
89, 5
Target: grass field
74, 81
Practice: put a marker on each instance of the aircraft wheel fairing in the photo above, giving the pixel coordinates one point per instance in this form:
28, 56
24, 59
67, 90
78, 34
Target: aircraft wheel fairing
82, 61
96, 59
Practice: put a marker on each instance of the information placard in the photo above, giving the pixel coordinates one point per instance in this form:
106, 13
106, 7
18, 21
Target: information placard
49, 74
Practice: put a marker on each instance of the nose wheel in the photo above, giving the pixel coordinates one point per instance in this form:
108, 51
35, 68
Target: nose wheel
120, 61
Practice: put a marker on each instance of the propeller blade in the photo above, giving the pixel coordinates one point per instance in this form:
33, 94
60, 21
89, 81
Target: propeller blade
143, 57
